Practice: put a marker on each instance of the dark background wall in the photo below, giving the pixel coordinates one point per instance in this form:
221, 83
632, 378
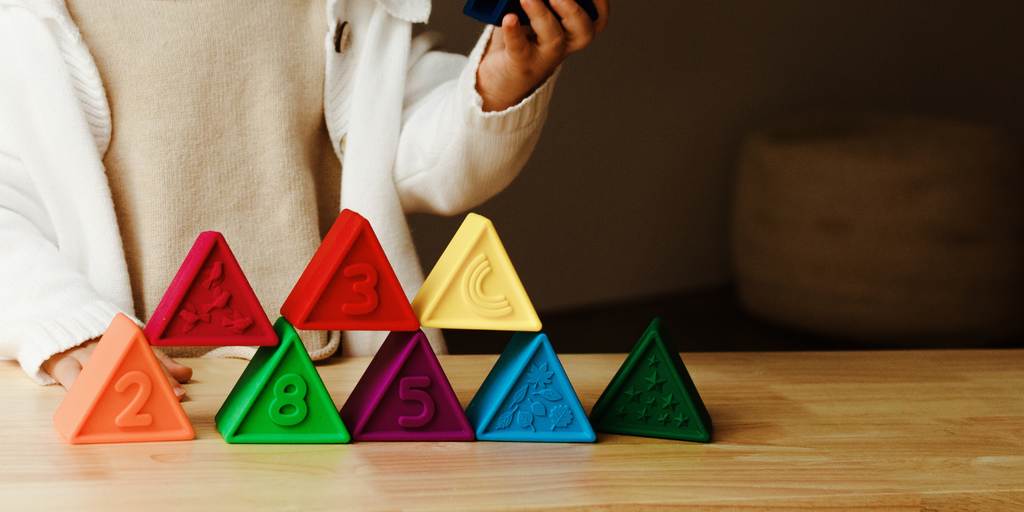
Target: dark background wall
627, 195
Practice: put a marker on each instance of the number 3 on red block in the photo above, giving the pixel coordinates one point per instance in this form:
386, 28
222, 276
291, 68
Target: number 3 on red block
349, 285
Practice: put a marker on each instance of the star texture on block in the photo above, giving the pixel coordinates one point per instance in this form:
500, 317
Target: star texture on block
663, 418
621, 412
681, 420
652, 361
669, 402
650, 402
634, 394
643, 415
655, 382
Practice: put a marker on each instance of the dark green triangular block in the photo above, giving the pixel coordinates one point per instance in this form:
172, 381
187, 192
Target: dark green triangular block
280, 398
652, 394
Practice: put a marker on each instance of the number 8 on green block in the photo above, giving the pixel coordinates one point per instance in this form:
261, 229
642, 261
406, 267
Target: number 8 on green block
280, 398
289, 395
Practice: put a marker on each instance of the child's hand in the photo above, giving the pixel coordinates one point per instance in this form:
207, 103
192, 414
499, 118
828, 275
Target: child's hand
66, 366
518, 59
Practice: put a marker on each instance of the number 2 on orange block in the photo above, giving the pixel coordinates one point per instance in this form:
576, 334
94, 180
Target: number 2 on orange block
130, 417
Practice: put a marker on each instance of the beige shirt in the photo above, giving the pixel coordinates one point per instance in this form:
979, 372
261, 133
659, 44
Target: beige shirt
218, 125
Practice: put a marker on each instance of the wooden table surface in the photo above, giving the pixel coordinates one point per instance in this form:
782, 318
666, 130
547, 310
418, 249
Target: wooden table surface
914, 430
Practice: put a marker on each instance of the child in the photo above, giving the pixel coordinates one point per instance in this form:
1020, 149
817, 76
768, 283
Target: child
126, 128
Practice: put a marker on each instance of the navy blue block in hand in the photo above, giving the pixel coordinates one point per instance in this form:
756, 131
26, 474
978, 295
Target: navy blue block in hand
492, 11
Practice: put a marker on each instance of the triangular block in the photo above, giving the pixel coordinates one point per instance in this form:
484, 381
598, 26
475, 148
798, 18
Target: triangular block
210, 302
122, 394
474, 286
404, 395
349, 284
280, 398
527, 397
652, 394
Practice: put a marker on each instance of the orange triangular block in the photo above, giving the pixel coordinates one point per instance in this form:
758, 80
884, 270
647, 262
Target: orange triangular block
474, 286
349, 284
210, 302
122, 395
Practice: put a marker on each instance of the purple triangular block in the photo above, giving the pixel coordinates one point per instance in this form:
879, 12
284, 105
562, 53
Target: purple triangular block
404, 395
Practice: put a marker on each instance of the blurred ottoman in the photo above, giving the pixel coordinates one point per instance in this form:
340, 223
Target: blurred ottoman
881, 227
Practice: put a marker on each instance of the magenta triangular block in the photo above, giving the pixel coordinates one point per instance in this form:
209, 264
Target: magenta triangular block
404, 395
210, 302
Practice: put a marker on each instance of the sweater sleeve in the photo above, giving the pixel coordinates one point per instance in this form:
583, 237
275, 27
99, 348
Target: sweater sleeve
46, 306
47, 302
452, 155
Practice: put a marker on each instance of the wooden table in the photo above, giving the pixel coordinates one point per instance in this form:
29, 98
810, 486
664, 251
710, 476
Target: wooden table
915, 430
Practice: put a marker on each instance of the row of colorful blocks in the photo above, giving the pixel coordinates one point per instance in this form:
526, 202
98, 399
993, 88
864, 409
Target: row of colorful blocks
122, 395
348, 285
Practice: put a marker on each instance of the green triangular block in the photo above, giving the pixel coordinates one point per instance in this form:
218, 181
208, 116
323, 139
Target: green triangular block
652, 394
280, 398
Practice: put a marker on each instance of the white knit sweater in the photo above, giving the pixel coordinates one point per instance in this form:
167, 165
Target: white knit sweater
406, 122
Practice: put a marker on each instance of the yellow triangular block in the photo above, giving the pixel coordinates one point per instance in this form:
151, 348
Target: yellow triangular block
474, 286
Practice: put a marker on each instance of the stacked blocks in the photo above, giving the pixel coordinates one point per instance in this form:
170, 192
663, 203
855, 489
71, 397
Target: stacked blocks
492, 11
349, 284
210, 302
527, 397
122, 394
652, 394
405, 396
280, 398
474, 286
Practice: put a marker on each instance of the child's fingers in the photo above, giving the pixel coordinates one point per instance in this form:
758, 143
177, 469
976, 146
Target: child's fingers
497, 42
514, 37
63, 368
180, 372
579, 29
66, 366
179, 391
603, 10
550, 36
164, 360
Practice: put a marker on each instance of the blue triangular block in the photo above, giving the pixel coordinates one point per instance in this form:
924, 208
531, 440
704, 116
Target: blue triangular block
527, 397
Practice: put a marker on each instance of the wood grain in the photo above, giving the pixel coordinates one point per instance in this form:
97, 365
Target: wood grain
914, 430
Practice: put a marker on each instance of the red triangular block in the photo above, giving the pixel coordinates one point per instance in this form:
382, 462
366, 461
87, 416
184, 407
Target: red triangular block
404, 395
349, 285
122, 395
210, 302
